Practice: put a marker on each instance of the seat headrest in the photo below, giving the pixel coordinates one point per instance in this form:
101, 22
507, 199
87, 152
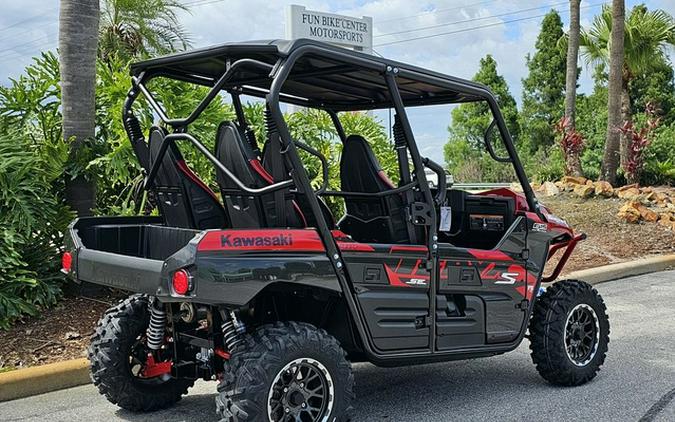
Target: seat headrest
359, 160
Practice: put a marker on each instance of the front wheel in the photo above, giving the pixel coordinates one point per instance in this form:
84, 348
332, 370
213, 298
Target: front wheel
569, 333
287, 372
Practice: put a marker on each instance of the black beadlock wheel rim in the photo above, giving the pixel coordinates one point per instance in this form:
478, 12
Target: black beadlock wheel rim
582, 334
302, 391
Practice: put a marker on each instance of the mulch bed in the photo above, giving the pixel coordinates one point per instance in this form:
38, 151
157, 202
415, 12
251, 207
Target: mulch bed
57, 334
610, 240
62, 332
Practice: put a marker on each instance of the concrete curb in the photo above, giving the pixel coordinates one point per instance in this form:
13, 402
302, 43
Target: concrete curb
56, 376
623, 269
43, 379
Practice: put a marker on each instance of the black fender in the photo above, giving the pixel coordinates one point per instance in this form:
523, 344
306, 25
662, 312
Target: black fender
234, 277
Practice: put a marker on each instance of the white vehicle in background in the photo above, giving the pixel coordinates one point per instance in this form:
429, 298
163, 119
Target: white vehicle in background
432, 178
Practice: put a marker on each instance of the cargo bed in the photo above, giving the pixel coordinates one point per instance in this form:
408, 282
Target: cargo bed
124, 252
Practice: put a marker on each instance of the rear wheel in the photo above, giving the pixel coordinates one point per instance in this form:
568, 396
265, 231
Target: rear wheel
569, 333
120, 360
287, 372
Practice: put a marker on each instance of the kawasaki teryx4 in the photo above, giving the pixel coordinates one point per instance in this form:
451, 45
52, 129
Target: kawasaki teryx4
261, 288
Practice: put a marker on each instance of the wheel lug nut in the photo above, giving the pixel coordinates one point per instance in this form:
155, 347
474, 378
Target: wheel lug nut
304, 405
302, 385
288, 410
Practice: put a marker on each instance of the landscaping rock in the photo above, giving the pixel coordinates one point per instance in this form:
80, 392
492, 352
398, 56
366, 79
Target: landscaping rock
516, 187
647, 214
575, 180
603, 188
630, 212
549, 189
626, 187
584, 191
632, 194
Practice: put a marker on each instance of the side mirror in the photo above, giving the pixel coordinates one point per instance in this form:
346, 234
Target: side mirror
491, 134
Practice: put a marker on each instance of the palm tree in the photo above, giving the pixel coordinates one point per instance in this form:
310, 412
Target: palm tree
573, 161
133, 28
78, 37
610, 158
647, 35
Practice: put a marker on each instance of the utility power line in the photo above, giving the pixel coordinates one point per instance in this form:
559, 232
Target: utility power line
480, 18
18, 55
15, 24
474, 28
18, 34
433, 12
198, 3
38, 39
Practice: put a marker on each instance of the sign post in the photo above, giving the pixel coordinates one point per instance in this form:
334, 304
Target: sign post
345, 31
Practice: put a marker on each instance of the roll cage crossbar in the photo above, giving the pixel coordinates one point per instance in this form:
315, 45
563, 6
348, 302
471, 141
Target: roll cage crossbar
347, 61
278, 71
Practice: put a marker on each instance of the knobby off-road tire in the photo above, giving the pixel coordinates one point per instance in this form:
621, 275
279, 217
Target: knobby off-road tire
116, 334
569, 333
264, 370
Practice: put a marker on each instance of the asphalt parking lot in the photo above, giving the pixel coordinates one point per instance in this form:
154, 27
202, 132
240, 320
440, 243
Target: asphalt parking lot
636, 383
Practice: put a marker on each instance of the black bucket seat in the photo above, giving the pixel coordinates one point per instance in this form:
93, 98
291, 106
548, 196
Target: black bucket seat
276, 209
373, 219
183, 199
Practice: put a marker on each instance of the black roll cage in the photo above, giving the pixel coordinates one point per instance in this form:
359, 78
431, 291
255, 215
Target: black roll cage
279, 74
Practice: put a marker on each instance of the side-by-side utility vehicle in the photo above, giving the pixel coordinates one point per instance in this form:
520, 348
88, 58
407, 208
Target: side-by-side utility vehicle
262, 288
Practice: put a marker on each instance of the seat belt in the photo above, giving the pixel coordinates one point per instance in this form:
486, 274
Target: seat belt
404, 168
276, 167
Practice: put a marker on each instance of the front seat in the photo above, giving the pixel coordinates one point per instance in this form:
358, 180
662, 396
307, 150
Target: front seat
370, 219
183, 199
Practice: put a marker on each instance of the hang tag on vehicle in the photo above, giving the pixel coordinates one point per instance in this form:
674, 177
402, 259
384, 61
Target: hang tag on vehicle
446, 219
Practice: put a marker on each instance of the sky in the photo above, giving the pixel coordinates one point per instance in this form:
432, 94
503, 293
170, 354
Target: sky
509, 30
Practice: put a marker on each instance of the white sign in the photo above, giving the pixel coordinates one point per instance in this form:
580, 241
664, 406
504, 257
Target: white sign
331, 28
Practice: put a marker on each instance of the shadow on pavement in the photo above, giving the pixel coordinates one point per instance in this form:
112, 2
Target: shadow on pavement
424, 392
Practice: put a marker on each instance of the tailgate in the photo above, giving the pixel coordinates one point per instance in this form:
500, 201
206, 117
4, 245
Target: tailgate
140, 275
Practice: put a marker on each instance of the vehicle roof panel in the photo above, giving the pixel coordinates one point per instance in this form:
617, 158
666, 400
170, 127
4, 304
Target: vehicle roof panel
326, 77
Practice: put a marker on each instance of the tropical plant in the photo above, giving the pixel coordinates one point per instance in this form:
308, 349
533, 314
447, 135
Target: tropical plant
32, 220
571, 143
615, 48
78, 37
645, 37
572, 155
639, 140
133, 28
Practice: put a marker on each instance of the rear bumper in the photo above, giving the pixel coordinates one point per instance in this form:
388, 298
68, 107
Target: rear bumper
123, 272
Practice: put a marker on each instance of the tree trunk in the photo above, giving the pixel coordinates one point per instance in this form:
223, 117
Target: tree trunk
610, 158
573, 159
78, 38
626, 117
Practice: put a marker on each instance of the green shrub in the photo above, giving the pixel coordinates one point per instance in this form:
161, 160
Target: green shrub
546, 164
32, 221
471, 164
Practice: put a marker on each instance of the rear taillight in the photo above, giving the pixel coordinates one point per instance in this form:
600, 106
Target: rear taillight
181, 282
66, 262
